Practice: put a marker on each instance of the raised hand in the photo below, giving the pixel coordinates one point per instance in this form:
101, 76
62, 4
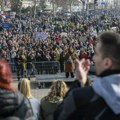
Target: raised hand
82, 68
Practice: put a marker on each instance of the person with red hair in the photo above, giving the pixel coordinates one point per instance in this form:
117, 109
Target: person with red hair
12, 102
5, 76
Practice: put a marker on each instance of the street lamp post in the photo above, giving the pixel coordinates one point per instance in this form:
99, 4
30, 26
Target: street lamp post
94, 11
87, 9
83, 5
20, 4
95, 3
35, 3
53, 3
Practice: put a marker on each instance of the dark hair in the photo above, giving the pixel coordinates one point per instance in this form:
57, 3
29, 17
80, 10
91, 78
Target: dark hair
111, 46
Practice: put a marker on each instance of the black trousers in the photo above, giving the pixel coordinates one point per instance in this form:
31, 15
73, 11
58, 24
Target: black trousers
67, 74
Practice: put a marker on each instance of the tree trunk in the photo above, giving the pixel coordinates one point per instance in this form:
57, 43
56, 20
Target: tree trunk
2, 6
34, 8
53, 7
70, 4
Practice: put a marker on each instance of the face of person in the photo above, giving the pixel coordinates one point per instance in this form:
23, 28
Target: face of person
99, 60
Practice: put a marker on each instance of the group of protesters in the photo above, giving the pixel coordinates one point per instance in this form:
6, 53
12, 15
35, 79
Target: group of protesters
82, 101
66, 40
48, 38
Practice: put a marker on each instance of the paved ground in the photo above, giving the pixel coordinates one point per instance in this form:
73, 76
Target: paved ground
36, 92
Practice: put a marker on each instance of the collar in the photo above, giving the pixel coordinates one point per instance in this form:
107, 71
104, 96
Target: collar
109, 72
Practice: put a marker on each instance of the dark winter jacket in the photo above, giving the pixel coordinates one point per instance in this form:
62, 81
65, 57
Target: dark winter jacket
14, 104
101, 101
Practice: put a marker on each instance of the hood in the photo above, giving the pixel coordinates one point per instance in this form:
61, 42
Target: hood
55, 99
109, 89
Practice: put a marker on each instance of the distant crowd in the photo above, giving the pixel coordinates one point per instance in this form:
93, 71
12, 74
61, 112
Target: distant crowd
48, 38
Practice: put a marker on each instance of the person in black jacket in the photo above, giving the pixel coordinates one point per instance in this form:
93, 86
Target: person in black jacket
101, 100
13, 104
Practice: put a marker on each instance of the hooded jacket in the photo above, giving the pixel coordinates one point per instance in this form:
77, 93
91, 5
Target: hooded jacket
101, 101
48, 107
14, 104
109, 89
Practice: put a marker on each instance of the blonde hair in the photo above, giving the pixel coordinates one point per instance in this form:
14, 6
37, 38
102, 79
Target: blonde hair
25, 87
58, 90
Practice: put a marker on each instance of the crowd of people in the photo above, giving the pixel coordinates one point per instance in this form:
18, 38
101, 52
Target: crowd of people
64, 39
48, 38
20, 104
82, 101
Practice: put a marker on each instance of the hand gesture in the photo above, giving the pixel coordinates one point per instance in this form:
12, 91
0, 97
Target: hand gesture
82, 68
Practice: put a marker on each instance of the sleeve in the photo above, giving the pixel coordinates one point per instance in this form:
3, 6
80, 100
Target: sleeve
24, 110
41, 111
28, 109
74, 105
66, 109
76, 84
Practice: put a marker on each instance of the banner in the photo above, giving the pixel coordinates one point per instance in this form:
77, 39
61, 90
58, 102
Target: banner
41, 35
6, 25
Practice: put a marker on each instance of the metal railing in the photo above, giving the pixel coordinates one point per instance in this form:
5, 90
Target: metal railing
42, 67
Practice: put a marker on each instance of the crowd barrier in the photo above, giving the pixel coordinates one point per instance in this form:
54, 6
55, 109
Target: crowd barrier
43, 67
46, 67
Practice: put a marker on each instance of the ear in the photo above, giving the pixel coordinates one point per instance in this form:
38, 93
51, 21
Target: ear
108, 63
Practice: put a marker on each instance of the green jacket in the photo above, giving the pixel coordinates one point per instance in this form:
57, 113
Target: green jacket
47, 108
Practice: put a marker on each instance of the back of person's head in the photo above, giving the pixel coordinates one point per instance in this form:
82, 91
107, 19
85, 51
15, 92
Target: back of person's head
5, 76
25, 87
110, 43
58, 90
